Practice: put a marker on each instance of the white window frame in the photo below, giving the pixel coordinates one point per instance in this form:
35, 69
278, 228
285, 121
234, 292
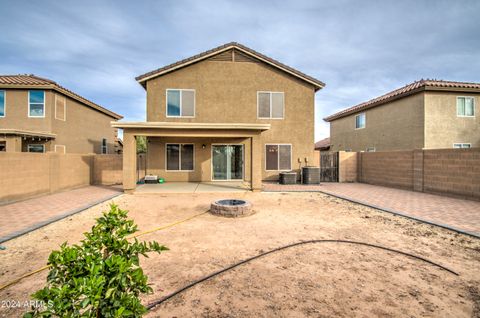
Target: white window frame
64, 107
4, 103
367, 149
181, 106
102, 147
29, 104
456, 107
358, 115
179, 156
61, 146
278, 155
30, 145
461, 145
270, 108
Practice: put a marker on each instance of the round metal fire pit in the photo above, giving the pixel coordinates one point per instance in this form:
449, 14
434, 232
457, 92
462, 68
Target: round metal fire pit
231, 208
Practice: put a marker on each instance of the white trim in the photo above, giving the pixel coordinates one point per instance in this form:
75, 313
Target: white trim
64, 108
28, 147
211, 161
64, 149
270, 108
462, 144
4, 103
456, 107
44, 108
179, 156
278, 155
180, 90
364, 114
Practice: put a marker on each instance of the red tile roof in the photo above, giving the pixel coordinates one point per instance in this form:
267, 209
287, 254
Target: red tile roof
324, 143
32, 81
409, 89
201, 56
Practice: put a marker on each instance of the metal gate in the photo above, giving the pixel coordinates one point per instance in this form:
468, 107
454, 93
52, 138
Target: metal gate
329, 167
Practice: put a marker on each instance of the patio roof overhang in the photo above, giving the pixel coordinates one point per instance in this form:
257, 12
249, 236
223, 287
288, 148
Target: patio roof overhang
177, 125
26, 133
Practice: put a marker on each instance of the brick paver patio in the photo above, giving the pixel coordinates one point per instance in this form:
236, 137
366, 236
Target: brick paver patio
460, 214
21, 217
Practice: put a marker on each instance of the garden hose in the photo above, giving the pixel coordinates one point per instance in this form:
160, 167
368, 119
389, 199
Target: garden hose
130, 237
192, 284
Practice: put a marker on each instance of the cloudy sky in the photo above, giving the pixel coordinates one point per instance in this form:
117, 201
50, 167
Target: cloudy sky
360, 49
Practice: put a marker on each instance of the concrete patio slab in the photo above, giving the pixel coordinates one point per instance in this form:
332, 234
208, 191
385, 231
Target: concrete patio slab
193, 187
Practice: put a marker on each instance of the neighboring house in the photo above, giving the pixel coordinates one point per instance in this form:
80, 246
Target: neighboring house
426, 114
321, 146
38, 115
229, 113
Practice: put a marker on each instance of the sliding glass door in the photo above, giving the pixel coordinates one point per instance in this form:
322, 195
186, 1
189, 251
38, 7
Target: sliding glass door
227, 162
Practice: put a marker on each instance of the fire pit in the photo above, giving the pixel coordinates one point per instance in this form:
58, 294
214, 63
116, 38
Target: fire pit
231, 208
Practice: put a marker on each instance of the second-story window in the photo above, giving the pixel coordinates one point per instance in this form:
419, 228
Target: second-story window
270, 105
465, 107
36, 104
360, 121
180, 103
2, 103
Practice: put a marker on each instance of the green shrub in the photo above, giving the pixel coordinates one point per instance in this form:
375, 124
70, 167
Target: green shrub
101, 277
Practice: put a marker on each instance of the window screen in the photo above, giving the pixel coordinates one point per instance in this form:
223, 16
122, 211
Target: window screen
2, 103
180, 157
270, 105
360, 121
180, 103
285, 157
36, 104
465, 106
278, 157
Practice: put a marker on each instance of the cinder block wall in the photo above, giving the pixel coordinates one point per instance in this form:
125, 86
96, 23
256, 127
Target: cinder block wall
392, 169
23, 174
452, 171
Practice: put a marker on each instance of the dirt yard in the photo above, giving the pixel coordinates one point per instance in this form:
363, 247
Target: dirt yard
319, 280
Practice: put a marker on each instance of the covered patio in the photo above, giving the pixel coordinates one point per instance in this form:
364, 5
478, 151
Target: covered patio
201, 156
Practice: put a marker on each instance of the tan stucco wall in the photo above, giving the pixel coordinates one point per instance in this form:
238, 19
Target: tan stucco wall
226, 92
442, 126
82, 132
397, 125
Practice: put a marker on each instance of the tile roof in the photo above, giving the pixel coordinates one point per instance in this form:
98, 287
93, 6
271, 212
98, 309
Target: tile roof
30, 80
324, 143
415, 87
196, 58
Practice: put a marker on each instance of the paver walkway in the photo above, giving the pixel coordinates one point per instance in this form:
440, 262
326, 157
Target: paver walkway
455, 213
21, 217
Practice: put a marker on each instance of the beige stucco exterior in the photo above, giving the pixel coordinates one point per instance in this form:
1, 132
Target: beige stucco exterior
82, 130
424, 120
226, 92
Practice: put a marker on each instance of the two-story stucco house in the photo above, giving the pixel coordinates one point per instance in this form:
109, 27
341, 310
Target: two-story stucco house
38, 115
427, 114
229, 113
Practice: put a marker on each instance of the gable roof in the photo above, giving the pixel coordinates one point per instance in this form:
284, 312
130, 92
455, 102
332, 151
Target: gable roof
232, 45
322, 144
36, 82
413, 88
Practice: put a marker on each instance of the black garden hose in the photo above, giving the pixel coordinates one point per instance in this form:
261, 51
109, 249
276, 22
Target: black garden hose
190, 285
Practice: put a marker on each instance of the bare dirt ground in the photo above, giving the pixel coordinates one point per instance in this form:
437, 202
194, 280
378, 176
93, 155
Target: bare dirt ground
319, 280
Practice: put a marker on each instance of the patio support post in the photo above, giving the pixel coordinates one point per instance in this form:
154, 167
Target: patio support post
256, 163
129, 161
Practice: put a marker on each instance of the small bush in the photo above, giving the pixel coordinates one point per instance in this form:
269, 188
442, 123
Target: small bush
101, 277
